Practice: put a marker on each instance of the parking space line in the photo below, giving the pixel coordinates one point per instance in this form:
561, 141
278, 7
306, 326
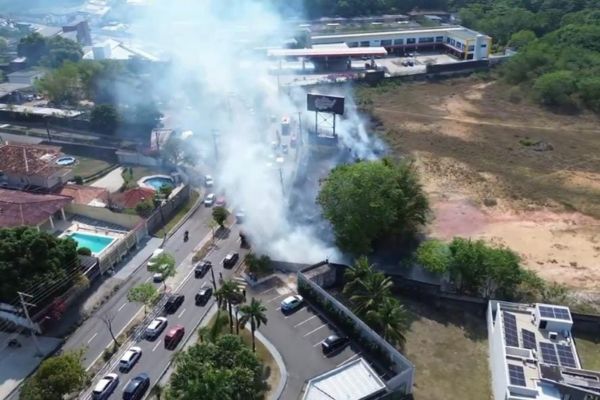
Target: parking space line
306, 320
275, 298
266, 291
318, 343
92, 338
278, 308
181, 313
348, 359
314, 330
120, 308
156, 345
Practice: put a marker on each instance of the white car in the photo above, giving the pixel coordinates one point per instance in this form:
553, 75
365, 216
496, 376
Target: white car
154, 257
291, 303
208, 181
209, 200
157, 277
155, 328
105, 387
129, 359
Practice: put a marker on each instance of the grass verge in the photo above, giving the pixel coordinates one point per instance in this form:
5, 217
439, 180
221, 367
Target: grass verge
180, 214
588, 351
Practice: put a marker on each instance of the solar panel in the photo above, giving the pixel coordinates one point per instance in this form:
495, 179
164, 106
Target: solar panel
561, 313
567, 359
548, 353
528, 339
547, 312
510, 329
516, 375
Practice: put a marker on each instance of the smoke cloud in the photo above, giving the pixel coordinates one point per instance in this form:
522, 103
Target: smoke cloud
219, 87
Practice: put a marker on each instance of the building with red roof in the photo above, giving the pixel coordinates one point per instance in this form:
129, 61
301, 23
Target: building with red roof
32, 209
132, 197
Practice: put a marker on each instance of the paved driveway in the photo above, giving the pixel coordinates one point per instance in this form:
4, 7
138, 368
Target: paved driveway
298, 338
111, 181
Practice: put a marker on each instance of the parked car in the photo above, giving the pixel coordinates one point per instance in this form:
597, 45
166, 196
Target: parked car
154, 257
203, 295
333, 343
136, 387
174, 336
105, 387
230, 260
201, 268
173, 303
291, 303
221, 202
157, 277
155, 328
208, 181
209, 199
129, 359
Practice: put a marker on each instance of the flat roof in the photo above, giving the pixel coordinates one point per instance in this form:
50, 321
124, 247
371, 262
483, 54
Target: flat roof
355, 380
437, 30
328, 52
43, 111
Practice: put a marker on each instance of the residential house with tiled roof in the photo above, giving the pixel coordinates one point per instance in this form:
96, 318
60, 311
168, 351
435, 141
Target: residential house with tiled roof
86, 195
32, 209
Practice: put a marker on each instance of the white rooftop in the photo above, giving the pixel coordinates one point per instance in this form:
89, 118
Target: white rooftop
355, 380
116, 50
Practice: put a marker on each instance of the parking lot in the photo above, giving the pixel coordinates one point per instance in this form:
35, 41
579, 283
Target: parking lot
298, 336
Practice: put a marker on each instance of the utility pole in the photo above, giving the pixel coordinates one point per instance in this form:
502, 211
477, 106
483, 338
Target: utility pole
24, 305
212, 273
214, 132
281, 180
48, 129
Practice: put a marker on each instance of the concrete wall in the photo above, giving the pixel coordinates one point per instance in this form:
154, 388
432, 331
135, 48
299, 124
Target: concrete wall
404, 369
104, 214
178, 198
118, 250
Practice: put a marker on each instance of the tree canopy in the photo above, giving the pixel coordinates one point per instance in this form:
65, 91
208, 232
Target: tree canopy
51, 52
144, 293
370, 200
30, 258
104, 119
225, 369
56, 377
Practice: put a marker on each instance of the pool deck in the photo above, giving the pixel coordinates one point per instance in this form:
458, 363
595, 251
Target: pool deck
75, 226
141, 182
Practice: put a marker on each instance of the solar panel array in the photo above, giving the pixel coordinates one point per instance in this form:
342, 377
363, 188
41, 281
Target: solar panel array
516, 375
528, 338
554, 312
510, 329
567, 359
548, 351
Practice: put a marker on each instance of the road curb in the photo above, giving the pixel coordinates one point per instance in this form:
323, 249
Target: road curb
279, 360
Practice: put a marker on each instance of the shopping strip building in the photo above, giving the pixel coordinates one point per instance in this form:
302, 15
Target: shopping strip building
464, 43
533, 354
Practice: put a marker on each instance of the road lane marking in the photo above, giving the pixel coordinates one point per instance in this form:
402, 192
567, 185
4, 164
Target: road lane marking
180, 314
316, 329
156, 345
348, 359
92, 338
120, 308
147, 279
306, 320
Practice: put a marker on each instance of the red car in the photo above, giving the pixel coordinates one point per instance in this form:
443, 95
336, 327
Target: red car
220, 202
174, 336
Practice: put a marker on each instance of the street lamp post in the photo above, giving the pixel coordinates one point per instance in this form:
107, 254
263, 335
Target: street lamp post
214, 282
164, 224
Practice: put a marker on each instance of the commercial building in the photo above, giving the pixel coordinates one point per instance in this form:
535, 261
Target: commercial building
533, 354
463, 43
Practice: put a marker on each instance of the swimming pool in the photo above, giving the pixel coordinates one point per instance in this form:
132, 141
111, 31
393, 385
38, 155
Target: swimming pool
156, 182
68, 160
96, 243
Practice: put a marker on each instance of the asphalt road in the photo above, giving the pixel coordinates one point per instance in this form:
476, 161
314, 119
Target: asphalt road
93, 334
155, 357
297, 337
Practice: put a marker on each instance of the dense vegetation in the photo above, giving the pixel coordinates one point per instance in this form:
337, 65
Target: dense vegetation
372, 200
225, 369
55, 378
31, 259
51, 52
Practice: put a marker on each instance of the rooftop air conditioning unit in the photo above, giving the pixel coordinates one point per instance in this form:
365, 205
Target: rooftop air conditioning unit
552, 335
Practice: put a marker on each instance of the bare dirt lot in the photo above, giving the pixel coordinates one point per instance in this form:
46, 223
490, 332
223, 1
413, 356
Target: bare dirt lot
507, 171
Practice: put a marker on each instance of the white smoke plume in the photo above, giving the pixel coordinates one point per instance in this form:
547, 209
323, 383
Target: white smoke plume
225, 94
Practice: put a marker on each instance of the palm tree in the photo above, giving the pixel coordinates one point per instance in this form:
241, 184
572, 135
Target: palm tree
370, 292
390, 319
228, 293
255, 313
359, 271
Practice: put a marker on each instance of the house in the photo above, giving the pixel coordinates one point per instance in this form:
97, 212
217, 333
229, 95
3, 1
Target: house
132, 197
533, 354
115, 50
23, 165
14, 93
86, 195
25, 77
77, 31
32, 209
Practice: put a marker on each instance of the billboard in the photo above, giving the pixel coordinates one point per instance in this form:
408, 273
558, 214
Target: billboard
321, 103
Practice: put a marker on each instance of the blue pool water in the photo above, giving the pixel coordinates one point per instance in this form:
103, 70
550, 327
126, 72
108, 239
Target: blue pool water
95, 243
158, 181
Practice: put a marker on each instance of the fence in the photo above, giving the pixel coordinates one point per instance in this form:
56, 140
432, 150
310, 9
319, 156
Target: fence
403, 369
117, 251
167, 211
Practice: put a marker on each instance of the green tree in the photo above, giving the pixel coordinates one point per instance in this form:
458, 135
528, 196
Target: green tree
56, 377
144, 208
555, 88
222, 370
356, 274
163, 264
30, 258
84, 251
33, 46
589, 88
62, 86
220, 215
370, 200
255, 312
104, 119
228, 295
434, 256
521, 39
390, 320
144, 293
371, 291
61, 50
